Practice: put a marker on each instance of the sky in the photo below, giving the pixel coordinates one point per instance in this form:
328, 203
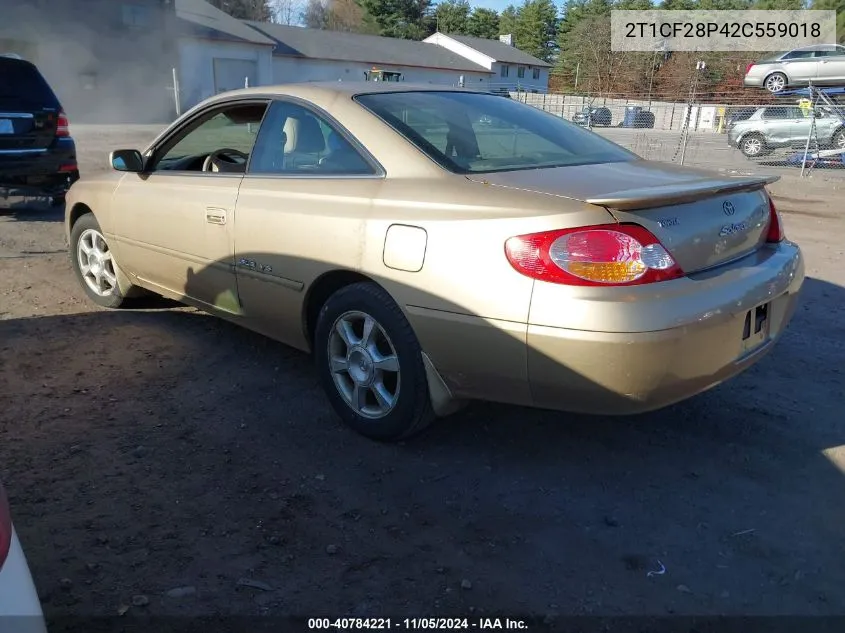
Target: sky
497, 5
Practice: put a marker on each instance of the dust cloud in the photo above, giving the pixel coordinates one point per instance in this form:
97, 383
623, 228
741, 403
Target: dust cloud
107, 63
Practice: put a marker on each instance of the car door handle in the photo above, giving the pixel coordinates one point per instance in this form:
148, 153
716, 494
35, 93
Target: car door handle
215, 215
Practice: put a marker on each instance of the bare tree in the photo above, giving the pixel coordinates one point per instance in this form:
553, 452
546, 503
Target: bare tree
345, 15
287, 11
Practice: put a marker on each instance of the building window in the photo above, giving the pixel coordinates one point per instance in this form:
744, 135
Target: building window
505, 70
136, 15
520, 72
536, 73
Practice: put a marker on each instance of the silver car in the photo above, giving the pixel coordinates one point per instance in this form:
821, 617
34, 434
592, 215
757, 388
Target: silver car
822, 64
785, 126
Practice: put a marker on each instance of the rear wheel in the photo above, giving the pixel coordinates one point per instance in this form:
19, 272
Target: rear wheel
753, 145
370, 364
775, 82
94, 264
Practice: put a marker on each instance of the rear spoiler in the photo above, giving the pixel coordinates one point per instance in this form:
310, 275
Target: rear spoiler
666, 195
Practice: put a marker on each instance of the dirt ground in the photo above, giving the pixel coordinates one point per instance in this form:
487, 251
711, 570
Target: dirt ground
158, 461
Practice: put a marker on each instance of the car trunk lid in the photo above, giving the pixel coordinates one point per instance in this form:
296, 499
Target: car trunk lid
702, 219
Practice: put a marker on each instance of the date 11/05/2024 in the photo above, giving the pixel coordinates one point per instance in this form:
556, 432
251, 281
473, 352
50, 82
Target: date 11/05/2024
432, 624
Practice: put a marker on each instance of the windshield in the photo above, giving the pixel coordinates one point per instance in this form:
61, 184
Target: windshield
469, 132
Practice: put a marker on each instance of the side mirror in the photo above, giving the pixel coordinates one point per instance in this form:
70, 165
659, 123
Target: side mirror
127, 160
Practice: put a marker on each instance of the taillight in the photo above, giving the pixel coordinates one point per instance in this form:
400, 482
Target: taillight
5, 526
749, 67
603, 255
62, 125
775, 233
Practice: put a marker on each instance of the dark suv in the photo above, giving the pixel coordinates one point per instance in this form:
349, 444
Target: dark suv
37, 153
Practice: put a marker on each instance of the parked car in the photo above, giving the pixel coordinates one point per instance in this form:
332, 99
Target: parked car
779, 126
20, 608
593, 116
423, 269
824, 65
37, 152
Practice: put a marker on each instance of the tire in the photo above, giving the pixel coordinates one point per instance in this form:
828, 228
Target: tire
84, 231
753, 146
354, 366
838, 139
776, 82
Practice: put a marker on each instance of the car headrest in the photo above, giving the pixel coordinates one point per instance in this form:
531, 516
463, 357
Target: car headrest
304, 135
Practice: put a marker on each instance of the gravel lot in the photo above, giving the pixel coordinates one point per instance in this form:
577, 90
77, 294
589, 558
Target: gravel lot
159, 460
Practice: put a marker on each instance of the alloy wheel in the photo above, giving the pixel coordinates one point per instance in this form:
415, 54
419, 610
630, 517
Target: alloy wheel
775, 83
752, 146
364, 364
95, 263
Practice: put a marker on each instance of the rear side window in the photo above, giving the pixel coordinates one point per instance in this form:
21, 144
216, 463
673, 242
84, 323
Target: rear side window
21, 82
799, 55
468, 132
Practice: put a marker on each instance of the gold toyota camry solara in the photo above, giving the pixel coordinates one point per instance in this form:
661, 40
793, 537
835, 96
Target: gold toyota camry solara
432, 246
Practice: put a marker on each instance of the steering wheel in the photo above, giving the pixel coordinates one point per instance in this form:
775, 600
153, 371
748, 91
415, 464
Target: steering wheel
224, 159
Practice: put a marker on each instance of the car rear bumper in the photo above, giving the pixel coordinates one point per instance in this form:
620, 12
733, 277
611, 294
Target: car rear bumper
619, 372
752, 82
20, 608
50, 171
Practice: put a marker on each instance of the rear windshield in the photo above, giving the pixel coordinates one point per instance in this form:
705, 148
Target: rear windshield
20, 82
481, 133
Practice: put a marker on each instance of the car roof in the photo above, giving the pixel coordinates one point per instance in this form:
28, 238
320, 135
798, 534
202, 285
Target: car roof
321, 90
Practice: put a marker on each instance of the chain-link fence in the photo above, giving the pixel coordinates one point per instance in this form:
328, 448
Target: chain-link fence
785, 132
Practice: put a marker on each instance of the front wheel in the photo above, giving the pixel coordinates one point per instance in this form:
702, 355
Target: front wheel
370, 364
838, 140
94, 264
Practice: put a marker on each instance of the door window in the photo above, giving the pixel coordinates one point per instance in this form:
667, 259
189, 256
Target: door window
221, 141
296, 141
782, 112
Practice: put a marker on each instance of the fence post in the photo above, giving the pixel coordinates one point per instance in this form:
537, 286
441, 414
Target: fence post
176, 97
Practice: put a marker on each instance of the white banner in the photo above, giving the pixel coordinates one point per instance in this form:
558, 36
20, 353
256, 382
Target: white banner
657, 30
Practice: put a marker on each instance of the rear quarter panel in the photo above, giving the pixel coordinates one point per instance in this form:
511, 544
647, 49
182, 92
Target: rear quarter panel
468, 306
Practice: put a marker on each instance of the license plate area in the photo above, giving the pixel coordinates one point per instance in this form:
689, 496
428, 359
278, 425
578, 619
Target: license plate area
755, 328
6, 126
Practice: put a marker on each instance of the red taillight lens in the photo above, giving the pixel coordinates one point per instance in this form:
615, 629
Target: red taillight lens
5, 527
62, 125
604, 255
775, 233
749, 67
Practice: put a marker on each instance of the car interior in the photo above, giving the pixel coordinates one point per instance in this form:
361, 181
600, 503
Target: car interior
292, 140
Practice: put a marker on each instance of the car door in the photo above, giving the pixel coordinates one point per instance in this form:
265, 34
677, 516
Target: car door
800, 66
831, 65
300, 212
799, 125
174, 223
777, 123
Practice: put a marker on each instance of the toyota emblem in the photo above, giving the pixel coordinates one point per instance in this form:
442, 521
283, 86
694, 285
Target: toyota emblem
728, 208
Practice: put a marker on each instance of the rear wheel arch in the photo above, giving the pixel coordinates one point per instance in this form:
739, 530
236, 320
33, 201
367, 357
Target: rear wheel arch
319, 292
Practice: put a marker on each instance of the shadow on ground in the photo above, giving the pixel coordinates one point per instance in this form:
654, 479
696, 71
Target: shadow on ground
32, 209
159, 449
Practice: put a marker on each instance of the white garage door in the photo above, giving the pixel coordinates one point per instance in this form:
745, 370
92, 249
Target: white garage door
231, 74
